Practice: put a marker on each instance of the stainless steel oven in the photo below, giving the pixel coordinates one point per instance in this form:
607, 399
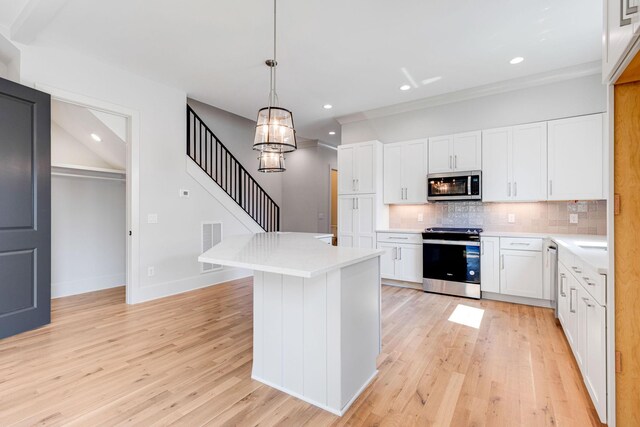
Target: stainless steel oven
451, 261
454, 186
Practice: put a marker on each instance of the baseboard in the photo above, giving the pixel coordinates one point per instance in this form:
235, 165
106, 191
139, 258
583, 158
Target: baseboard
174, 287
517, 300
89, 284
402, 284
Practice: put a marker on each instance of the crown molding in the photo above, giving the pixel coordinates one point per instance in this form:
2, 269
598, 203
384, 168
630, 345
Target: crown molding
582, 70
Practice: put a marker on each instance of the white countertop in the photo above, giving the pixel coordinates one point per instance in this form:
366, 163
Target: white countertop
401, 230
293, 254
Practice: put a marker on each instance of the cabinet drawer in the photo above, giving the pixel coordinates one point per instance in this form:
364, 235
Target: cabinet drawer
414, 238
565, 257
521, 244
593, 283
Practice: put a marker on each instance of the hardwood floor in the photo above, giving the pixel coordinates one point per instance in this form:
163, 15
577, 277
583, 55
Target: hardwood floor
186, 360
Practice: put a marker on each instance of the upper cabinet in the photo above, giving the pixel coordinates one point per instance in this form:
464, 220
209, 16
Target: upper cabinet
576, 158
514, 163
359, 166
460, 152
405, 172
621, 29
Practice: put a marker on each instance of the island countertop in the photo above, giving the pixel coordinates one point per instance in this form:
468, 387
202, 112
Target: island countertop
293, 254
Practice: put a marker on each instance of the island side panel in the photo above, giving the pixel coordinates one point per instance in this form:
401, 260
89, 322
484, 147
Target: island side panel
360, 332
334, 345
293, 333
315, 338
272, 328
258, 353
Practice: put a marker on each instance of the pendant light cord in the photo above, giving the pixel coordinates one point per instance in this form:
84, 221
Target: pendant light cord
273, 96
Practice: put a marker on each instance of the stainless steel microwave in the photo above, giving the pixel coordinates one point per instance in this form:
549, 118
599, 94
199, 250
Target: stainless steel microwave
454, 186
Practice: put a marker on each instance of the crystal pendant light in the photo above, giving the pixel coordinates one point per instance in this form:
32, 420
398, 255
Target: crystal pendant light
275, 132
271, 162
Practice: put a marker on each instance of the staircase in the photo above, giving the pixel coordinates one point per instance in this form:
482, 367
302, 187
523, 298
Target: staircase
211, 155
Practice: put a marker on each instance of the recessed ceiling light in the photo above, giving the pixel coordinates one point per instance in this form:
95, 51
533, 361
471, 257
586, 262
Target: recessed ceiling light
332, 133
95, 137
405, 87
327, 106
516, 60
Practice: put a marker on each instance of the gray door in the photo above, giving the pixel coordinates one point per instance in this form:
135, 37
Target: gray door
25, 208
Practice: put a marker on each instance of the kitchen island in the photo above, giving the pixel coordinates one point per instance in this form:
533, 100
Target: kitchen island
316, 314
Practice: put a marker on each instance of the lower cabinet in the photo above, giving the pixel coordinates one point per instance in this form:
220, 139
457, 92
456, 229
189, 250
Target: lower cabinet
583, 321
490, 264
401, 261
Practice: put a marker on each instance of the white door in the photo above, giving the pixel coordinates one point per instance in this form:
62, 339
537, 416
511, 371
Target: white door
529, 162
440, 154
576, 158
410, 263
521, 273
392, 174
496, 182
346, 172
388, 260
346, 221
595, 355
414, 171
467, 151
490, 264
365, 222
365, 157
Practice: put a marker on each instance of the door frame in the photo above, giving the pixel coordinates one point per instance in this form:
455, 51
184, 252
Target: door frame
132, 175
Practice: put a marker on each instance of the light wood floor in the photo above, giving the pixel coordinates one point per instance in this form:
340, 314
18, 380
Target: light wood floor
186, 360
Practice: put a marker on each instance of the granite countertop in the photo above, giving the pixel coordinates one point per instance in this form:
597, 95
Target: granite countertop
293, 254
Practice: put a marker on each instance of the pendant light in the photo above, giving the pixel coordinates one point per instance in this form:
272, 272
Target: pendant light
271, 162
275, 132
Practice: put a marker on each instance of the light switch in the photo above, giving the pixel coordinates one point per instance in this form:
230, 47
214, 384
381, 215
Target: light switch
420, 217
573, 218
511, 218
152, 218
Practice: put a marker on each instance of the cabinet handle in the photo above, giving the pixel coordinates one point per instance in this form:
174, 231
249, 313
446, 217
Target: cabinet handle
562, 291
587, 301
395, 253
405, 193
588, 280
400, 253
509, 188
450, 162
571, 308
482, 248
576, 269
455, 161
550, 187
515, 189
502, 262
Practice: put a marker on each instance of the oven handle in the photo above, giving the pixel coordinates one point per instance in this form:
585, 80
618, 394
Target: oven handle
450, 242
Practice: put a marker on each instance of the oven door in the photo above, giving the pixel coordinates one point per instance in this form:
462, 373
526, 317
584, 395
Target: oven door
448, 186
451, 261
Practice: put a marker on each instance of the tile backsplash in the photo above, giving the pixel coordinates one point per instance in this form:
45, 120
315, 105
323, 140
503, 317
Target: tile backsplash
538, 217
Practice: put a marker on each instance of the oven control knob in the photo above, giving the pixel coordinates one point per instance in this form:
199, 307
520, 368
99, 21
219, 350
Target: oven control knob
472, 273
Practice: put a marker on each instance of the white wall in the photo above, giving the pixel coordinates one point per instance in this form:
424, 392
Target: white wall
574, 97
173, 244
67, 150
88, 230
306, 189
237, 134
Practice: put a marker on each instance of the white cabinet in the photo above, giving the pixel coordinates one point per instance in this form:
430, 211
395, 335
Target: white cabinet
521, 273
402, 259
460, 152
576, 157
405, 172
621, 27
357, 221
514, 163
357, 168
489, 264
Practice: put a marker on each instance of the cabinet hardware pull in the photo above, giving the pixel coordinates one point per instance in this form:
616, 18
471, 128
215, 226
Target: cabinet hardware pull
586, 301
395, 253
450, 162
502, 262
400, 251
576, 269
515, 189
562, 291
550, 187
571, 308
482, 247
588, 280
519, 244
455, 161
509, 188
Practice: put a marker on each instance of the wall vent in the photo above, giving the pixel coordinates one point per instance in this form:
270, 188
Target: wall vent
211, 235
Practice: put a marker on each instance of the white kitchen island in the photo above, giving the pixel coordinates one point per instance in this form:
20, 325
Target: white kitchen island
316, 314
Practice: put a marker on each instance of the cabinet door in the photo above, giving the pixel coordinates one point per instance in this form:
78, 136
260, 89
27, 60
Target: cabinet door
563, 294
521, 273
392, 174
575, 158
410, 263
490, 264
365, 222
346, 172
467, 151
496, 182
414, 171
529, 162
571, 324
346, 221
388, 260
595, 355
441, 154
365, 167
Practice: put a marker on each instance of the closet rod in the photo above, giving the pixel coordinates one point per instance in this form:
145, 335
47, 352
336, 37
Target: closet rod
73, 175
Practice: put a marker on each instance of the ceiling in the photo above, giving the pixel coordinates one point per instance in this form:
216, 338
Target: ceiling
352, 54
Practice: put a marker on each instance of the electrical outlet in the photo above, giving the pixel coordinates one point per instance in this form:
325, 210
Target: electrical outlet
152, 218
151, 271
511, 218
420, 217
184, 193
573, 218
